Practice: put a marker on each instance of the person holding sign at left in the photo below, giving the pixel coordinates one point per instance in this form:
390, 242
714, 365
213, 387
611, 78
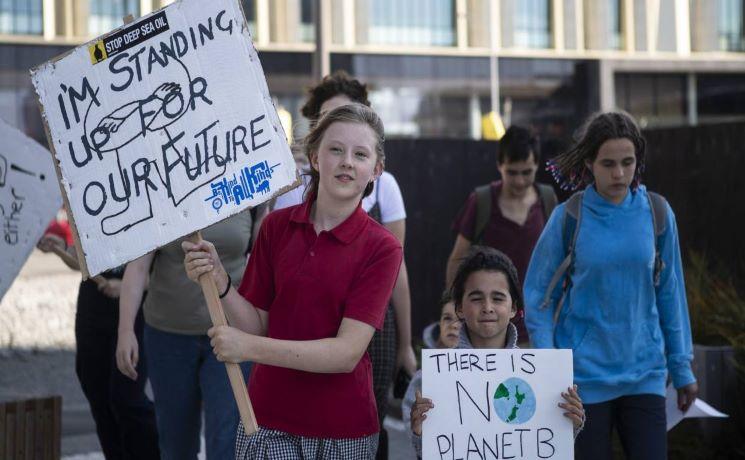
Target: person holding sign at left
187, 380
316, 287
124, 416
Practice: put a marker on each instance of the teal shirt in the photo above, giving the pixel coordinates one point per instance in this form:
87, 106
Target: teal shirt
625, 333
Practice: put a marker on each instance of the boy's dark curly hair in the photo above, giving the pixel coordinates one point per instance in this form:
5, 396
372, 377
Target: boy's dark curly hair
332, 85
487, 259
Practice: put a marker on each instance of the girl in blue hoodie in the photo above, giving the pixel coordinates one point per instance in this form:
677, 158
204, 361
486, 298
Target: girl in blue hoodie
626, 320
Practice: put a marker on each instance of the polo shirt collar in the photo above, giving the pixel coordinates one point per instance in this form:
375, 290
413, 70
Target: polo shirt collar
345, 232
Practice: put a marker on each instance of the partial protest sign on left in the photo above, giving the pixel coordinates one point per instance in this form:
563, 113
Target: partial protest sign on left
29, 199
161, 128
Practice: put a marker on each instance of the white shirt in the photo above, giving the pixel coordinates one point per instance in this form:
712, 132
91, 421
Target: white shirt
386, 190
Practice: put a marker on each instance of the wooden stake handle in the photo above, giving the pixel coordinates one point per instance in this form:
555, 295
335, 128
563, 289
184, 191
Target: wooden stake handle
209, 288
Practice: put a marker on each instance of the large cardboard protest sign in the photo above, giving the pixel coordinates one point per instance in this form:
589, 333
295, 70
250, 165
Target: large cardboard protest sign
161, 128
29, 199
496, 404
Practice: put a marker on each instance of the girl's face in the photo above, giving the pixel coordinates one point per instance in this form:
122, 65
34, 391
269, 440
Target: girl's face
330, 104
449, 326
614, 169
487, 308
346, 161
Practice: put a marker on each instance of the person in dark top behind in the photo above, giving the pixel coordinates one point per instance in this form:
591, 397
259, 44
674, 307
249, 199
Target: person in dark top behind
508, 214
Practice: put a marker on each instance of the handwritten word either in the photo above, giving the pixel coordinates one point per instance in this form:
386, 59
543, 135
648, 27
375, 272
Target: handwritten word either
11, 217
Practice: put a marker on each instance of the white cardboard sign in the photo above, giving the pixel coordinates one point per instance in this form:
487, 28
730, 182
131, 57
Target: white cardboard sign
161, 128
496, 404
29, 199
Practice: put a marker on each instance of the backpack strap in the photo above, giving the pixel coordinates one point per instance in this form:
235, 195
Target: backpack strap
570, 232
483, 211
548, 198
658, 207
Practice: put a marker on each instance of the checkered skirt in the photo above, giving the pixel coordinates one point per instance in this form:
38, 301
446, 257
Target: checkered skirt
267, 444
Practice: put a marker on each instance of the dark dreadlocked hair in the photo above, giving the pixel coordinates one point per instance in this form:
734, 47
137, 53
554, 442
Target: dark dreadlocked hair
569, 168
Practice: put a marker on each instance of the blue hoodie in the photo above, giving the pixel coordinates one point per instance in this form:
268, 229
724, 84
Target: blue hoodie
626, 333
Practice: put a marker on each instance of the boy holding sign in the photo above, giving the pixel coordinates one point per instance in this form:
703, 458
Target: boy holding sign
323, 272
487, 295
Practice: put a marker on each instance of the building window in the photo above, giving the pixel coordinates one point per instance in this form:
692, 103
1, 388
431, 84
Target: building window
731, 21
721, 97
249, 9
307, 28
21, 17
615, 39
106, 15
410, 22
654, 99
603, 25
533, 24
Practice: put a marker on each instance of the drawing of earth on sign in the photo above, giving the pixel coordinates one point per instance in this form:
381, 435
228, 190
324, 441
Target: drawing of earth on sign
514, 401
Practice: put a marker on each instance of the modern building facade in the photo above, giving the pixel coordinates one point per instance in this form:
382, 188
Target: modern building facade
429, 62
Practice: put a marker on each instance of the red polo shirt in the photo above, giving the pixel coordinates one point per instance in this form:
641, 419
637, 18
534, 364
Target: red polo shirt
308, 283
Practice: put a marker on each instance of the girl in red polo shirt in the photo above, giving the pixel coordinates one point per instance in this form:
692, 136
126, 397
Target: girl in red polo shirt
315, 289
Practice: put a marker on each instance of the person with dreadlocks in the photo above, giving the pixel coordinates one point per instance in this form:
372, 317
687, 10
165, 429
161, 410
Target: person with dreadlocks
606, 280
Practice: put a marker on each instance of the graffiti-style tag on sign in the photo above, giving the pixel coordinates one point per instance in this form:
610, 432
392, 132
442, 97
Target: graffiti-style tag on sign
166, 129
29, 199
497, 404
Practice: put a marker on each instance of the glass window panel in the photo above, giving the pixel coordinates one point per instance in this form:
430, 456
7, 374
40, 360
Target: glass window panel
614, 23
433, 96
18, 104
411, 22
721, 97
654, 99
249, 9
731, 30
307, 28
106, 15
533, 24
21, 17
670, 94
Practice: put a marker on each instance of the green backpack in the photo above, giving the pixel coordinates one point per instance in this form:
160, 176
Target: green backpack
483, 206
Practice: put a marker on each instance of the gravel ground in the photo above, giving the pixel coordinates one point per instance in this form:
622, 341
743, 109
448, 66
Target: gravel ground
37, 347
38, 311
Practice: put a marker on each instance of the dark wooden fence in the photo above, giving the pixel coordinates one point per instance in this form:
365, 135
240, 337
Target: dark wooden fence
698, 169
30, 429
